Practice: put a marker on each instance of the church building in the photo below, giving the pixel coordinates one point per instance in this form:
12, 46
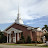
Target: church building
13, 32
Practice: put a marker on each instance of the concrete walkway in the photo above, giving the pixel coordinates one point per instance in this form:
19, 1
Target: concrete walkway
15, 46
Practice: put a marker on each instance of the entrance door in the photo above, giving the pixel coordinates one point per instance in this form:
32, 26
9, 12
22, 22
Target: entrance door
14, 40
13, 37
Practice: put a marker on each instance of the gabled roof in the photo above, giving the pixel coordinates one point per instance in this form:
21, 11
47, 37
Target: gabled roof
28, 27
19, 24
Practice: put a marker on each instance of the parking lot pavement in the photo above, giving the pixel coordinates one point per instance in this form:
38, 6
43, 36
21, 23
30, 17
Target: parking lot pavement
14, 46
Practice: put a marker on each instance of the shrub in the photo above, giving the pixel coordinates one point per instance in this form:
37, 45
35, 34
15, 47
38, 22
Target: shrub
46, 36
33, 41
3, 38
28, 39
37, 42
20, 42
22, 38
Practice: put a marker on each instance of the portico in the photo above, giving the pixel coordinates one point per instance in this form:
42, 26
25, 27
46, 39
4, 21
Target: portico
13, 35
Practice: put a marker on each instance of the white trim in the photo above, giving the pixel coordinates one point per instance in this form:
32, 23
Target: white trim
7, 38
12, 29
17, 36
10, 37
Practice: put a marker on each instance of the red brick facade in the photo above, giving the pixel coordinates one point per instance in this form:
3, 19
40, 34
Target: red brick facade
35, 36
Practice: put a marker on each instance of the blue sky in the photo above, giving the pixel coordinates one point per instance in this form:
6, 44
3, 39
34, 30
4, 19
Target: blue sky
33, 12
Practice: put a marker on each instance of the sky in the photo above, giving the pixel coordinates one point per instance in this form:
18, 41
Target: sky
33, 12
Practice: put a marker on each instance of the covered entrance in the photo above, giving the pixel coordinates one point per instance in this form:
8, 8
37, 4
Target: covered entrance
13, 35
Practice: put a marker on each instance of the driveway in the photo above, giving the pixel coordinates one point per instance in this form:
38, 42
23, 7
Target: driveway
15, 46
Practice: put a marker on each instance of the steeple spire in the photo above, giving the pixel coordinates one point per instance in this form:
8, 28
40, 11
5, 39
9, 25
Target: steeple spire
18, 15
19, 20
18, 9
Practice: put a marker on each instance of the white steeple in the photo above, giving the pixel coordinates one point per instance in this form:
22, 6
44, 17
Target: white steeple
19, 20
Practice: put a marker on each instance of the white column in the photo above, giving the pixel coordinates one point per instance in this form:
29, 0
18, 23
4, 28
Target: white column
17, 36
10, 38
7, 37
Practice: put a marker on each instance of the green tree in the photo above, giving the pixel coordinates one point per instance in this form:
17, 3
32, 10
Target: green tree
2, 37
22, 38
28, 39
45, 27
46, 36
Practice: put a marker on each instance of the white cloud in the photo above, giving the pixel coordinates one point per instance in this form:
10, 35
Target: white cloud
29, 9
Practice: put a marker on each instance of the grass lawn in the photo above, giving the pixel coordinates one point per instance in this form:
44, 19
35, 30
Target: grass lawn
22, 44
43, 46
27, 45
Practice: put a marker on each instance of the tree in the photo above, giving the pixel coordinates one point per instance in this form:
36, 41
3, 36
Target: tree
22, 38
2, 37
28, 39
46, 36
45, 27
